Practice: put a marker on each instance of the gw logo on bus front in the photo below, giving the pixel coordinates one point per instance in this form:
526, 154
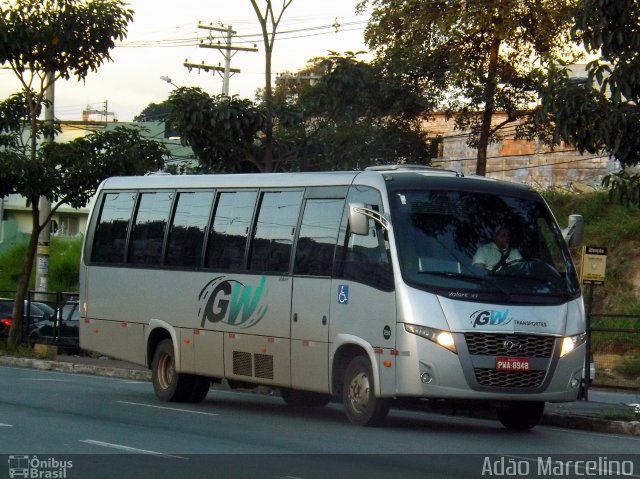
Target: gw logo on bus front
232, 302
490, 317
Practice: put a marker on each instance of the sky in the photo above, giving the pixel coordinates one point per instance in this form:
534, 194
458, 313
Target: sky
165, 33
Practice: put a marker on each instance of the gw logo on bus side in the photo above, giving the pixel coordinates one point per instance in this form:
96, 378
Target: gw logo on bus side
490, 317
232, 302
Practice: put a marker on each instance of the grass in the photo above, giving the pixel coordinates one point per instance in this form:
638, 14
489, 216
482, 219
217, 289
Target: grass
629, 368
63, 265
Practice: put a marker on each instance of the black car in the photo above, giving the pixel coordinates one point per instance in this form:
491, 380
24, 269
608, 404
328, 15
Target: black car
36, 312
61, 329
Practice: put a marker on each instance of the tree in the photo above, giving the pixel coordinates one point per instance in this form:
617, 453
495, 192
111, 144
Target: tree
154, 112
226, 133
600, 113
43, 41
467, 56
352, 117
269, 21
356, 117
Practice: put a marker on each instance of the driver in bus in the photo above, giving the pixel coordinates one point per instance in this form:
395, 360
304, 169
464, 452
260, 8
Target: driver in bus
496, 254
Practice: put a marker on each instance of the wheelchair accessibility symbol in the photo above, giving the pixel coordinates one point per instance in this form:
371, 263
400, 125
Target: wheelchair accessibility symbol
343, 294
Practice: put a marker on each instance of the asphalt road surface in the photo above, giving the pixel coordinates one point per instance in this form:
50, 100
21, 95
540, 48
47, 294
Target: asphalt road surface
75, 426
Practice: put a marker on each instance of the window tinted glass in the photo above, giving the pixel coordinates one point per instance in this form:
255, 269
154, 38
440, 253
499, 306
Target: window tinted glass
365, 258
149, 227
317, 237
186, 235
273, 237
112, 227
228, 235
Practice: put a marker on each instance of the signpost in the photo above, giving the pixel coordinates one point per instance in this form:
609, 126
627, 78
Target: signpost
592, 273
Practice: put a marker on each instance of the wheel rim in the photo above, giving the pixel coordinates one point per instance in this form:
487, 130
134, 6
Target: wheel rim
359, 392
166, 371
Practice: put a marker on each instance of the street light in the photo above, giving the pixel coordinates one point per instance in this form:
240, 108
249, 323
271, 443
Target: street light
168, 80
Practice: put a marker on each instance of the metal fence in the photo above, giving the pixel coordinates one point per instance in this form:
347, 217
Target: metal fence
48, 318
615, 350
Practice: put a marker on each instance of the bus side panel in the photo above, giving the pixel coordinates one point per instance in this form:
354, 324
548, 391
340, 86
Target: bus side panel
119, 339
257, 359
209, 353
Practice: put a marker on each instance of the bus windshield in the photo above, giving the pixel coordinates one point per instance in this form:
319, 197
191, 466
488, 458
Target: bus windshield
498, 247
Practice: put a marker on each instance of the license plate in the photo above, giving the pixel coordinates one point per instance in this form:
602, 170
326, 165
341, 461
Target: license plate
512, 364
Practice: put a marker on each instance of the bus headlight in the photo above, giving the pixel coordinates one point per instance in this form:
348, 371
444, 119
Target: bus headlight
438, 336
569, 343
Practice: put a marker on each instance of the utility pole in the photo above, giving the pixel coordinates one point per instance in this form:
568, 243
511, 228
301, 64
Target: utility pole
227, 50
44, 240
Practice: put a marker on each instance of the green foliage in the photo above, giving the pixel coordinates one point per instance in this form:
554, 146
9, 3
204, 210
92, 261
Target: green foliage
629, 368
476, 55
67, 37
10, 266
624, 187
601, 113
64, 264
615, 227
154, 112
353, 117
224, 132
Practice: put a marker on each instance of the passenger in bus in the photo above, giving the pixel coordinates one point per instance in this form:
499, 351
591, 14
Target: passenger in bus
496, 254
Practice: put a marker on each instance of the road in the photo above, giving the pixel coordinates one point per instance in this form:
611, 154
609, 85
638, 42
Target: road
117, 428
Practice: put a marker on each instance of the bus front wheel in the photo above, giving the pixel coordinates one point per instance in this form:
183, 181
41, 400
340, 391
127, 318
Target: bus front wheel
362, 406
520, 416
168, 384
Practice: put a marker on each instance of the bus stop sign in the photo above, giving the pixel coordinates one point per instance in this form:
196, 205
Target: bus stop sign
594, 261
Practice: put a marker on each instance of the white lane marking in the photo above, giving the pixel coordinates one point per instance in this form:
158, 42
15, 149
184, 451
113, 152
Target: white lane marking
167, 408
135, 450
6, 425
46, 379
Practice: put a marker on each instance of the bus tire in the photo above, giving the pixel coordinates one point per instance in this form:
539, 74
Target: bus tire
362, 406
199, 388
520, 416
297, 398
168, 384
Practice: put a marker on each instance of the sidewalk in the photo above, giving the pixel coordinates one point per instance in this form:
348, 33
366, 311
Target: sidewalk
614, 412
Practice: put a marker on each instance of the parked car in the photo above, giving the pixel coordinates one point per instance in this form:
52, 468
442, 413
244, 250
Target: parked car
35, 311
60, 329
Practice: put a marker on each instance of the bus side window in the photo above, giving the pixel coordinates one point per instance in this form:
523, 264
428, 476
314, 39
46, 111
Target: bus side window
147, 236
317, 238
274, 231
186, 234
364, 258
112, 228
229, 230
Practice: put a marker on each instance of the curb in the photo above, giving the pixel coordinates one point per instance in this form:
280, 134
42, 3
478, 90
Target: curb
593, 424
564, 420
62, 367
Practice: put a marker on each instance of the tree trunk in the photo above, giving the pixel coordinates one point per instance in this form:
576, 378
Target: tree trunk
15, 333
489, 105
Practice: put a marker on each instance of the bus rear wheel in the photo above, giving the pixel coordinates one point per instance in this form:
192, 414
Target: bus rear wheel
168, 384
362, 406
520, 416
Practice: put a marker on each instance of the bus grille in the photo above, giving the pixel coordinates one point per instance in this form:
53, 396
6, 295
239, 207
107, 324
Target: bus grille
509, 379
515, 345
242, 364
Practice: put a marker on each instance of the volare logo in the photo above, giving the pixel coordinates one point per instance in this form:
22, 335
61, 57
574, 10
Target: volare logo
232, 302
490, 317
